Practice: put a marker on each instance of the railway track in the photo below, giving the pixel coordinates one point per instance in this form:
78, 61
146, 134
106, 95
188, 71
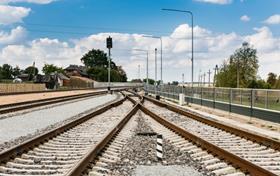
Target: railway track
56, 152
256, 154
42, 102
96, 146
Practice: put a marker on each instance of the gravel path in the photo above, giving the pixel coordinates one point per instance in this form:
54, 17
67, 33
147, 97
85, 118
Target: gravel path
23, 126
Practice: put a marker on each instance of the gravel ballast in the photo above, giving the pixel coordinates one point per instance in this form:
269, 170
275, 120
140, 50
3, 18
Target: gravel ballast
23, 126
138, 156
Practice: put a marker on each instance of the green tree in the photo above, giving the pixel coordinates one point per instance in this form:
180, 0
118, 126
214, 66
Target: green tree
259, 84
31, 71
50, 68
150, 81
6, 71
277, 84
16, 71
243, 64
96, 62
272, 79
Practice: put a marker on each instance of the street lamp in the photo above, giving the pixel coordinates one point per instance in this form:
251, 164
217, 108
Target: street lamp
147, 64
157, 37
189, 12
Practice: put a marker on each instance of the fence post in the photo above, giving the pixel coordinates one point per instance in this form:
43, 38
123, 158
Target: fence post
201, 97
230, 100
214, 97
266, 100
251, 103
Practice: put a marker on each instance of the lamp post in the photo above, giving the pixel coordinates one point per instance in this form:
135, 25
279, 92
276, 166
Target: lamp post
189, 12
147, 64
155, 84
157, 37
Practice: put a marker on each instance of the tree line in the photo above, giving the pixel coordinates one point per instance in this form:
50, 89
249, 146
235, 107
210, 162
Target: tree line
8, 72
240, 71
95, 61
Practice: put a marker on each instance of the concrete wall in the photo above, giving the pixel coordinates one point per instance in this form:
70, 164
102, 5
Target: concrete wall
21, 87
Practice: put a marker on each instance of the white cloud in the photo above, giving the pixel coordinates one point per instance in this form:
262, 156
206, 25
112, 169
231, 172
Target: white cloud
28, 1
245, 18
16, 35
210, 49
221, 2
274, 19
12, 14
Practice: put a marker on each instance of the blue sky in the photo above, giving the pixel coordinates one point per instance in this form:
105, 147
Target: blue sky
145, 16
50, 31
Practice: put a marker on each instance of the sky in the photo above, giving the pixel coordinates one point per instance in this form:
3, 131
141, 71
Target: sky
60, 32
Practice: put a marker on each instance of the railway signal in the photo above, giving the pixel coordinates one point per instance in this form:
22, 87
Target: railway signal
109, 43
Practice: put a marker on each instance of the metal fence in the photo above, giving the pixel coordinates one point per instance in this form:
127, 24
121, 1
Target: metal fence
253, 98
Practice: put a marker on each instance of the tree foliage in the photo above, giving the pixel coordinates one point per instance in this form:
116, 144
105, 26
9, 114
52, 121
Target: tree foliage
244, 61
96, 62
6, 71
16, 71
50, 68
272, 79
32, 71
97, 58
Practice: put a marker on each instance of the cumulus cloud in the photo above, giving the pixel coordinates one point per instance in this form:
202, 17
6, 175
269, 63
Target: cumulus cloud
221, 2
210, 49
245, 18
16, 35
12, 14
274, 19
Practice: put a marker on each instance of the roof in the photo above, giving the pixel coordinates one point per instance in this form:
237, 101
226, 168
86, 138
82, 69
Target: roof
62, 76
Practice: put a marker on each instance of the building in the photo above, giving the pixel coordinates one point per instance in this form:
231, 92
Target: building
76, 70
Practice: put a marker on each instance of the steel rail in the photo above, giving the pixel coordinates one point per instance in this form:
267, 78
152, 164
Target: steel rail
234, 160
42, 102
62, 90
24, 147
239, 132
36, 103
92, 154
81, 166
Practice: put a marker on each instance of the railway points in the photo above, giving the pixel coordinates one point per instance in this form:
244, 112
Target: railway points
128, 144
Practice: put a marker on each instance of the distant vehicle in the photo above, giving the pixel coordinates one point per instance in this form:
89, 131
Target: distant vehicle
17, 80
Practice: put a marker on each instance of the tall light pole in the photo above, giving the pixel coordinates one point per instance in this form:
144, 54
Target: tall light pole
147, 64
215, 73
139, 72
155, 84
209, 75
157, 37
189, 12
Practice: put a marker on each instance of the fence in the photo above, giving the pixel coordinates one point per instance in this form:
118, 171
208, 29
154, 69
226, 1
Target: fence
7, 88
253, 102
117, 84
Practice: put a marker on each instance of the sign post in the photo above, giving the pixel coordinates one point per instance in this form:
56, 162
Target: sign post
109, 43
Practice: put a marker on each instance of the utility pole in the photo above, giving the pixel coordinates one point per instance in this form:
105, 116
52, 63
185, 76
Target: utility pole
199, 78
139, 72
183, 81
204, 75
215, 73
237, 73
155, 72
209, 74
